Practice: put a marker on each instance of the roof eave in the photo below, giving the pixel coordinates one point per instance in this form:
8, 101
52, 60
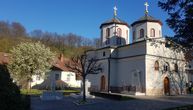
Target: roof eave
137, 22
114, 23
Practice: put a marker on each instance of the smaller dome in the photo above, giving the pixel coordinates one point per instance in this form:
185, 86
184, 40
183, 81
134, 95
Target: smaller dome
146, 18
114, 20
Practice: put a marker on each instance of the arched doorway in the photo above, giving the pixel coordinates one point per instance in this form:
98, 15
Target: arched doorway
103, 83
166, 86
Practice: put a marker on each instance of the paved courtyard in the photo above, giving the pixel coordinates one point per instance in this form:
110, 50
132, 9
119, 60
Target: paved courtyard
141, 103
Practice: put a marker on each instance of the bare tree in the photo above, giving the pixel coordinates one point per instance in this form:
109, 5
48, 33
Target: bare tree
18, 30
96, 42
4, 29
82, 65
188, 55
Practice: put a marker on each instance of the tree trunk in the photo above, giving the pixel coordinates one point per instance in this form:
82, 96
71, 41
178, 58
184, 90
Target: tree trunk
84, 94
28, 86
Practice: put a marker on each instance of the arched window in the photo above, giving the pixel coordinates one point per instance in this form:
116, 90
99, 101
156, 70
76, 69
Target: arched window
119, 32
107, 32
176, 67
156, 66
166, 66
133, 35
141, 34
152, 32
104, 54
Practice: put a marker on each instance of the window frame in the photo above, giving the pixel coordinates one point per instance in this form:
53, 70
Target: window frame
107, 32
156, 66
152, 32
119, 32
176, 67
141, 33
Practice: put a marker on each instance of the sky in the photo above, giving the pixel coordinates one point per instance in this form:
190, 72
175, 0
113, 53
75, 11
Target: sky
81, 17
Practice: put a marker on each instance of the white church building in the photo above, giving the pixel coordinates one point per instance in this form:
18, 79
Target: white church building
149, 64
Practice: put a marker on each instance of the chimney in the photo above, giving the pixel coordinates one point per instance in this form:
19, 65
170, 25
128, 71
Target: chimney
5, 58
61, 58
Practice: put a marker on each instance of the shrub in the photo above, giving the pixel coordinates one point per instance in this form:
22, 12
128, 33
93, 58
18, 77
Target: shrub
10, 98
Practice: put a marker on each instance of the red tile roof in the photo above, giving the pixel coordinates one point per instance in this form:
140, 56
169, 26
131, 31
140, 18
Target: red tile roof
59, 64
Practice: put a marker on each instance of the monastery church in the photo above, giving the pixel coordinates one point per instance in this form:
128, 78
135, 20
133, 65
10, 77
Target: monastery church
146, 65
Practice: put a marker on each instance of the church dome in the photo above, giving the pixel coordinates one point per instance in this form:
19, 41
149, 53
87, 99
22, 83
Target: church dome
114, 20
146, 18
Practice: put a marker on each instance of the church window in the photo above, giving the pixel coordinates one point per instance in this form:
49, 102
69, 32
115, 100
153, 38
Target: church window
104, 54
152, 32
156, 66
118, 40
119, 32
176, 67
141, 34
133, 35
107, 32
166, 67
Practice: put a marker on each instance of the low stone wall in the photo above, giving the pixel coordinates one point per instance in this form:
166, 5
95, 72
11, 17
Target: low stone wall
154, 92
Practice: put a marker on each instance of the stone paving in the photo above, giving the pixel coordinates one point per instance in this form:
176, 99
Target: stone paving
141, 103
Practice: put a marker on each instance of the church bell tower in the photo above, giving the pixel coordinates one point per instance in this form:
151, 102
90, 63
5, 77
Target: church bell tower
146, 27
114, 32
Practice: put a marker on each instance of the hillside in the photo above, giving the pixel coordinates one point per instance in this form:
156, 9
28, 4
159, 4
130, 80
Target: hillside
70, 44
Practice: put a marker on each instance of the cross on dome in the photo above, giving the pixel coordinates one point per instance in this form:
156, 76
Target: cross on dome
146, 7
115, 11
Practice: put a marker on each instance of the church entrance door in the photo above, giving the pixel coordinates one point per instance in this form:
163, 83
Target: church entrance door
166, 86
103, 83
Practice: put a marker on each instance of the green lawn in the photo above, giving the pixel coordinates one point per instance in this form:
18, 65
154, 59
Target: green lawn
31, 92
36, 92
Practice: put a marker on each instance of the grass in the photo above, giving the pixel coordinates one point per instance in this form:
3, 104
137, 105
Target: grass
187, 107
36, 92
192, 90
70, 91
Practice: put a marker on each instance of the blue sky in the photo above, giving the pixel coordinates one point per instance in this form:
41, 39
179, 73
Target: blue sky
82, 17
